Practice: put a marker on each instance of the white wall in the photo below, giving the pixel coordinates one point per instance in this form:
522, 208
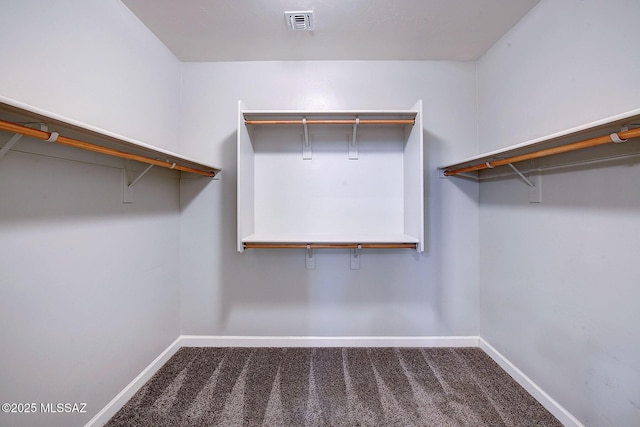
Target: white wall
561, 66
94, 62
88, 286
269, 292
559, 280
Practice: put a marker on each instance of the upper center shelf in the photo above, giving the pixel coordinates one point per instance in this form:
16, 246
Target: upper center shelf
330, 177
329, 118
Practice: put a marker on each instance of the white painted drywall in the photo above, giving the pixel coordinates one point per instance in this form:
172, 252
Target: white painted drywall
269, 292
88, 286
562, 66
94, 62
559, 280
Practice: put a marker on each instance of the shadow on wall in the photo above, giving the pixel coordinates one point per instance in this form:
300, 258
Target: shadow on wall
572, 180
87, 280
253, 277
41, 181
48, 184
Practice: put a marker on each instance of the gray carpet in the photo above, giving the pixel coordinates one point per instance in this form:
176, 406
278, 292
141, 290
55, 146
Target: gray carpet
332, 387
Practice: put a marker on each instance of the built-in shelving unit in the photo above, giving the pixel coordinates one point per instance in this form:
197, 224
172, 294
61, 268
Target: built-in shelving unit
319, 179
611, 130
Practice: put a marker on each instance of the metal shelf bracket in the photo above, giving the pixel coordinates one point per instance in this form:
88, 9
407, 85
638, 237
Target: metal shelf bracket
6, 147
306, 144
127, 188
310, 259
353, 145
355, 257
16, 137
629, 126
521, 175
616, 139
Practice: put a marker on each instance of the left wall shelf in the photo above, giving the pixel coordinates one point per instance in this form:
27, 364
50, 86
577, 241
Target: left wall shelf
70, 132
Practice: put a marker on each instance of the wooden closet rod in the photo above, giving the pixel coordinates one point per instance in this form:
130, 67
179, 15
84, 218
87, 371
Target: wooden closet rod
333, 122
35, 133
632, 133
329, 245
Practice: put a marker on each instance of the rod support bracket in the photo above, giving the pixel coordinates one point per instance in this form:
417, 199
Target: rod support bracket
355, 257
6, 147
306, 144
310, 259
53, 137
127, 187
16, 136
521, 175
616, 139
353, 144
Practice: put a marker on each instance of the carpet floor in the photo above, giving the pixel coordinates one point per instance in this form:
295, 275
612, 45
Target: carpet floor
332, 387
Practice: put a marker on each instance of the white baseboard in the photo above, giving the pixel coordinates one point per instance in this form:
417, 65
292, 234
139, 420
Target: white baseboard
102, 417
239, 341
545, 400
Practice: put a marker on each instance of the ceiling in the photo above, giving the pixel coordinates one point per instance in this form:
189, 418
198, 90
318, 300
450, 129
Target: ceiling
255, 30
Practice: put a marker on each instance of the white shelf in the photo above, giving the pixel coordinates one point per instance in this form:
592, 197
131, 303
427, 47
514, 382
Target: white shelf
302, 186
328, 115
588, 130
13, 110
329, 238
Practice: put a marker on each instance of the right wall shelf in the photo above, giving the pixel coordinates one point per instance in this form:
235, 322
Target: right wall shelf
615, 129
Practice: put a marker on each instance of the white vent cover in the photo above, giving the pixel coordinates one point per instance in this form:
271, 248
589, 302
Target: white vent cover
299, 21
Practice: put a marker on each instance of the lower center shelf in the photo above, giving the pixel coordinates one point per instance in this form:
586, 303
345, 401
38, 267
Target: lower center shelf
330, 245
328, 241
338, 240
311, 241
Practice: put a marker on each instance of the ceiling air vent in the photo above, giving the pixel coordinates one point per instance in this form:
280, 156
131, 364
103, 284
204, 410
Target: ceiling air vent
299, 21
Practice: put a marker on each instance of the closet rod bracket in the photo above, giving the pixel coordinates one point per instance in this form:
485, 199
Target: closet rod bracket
127, 188
16, 137
625, 128
6, 147
355, 257
306, 144
353, 144
521, 175
310, 259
